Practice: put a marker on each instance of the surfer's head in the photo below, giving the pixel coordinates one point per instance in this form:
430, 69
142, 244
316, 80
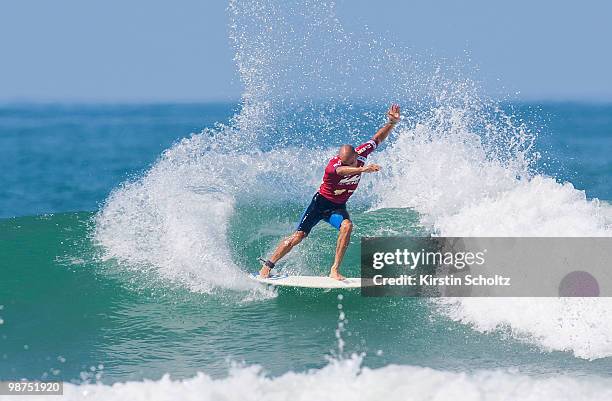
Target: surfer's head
348, 156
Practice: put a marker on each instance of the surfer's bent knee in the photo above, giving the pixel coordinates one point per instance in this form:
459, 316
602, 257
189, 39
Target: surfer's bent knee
298, 236
295, 238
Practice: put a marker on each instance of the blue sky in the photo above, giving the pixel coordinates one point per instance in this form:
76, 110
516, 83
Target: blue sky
158, 50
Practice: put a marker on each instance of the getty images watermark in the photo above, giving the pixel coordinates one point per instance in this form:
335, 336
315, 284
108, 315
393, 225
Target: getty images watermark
486, 267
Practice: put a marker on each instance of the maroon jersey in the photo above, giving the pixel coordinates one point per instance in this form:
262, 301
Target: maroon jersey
337, 188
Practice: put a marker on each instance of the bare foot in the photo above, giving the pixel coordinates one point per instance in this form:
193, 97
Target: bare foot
264, 272
335, 274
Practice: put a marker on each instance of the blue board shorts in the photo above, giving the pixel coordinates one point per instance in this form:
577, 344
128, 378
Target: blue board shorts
322, 209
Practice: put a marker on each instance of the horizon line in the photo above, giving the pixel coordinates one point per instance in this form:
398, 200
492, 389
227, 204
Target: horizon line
170, 101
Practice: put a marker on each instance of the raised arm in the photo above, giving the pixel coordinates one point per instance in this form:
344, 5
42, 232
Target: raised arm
394, 117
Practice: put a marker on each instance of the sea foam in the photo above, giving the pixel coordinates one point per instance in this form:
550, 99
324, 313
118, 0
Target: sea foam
460, 190
348, 380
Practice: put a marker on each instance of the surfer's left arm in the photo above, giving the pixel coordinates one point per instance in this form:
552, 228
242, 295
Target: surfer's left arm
394, 117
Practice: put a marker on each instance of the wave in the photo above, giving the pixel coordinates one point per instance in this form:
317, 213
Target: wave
464, 164
348, 380
174, 220
459, 190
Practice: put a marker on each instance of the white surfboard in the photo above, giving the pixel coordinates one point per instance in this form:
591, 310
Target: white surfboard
307, 281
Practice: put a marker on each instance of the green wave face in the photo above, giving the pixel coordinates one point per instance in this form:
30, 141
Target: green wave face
67, 313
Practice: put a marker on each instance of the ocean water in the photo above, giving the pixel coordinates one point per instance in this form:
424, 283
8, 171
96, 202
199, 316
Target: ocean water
153, 282
127, 231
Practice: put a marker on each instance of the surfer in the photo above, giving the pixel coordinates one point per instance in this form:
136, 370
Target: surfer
340, 180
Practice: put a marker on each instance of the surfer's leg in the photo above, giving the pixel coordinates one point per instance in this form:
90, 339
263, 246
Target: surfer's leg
281, 250
311, 216
287, 245
344, 236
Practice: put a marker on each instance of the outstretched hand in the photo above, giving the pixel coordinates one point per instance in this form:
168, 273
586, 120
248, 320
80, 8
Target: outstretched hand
394, 114
371, 168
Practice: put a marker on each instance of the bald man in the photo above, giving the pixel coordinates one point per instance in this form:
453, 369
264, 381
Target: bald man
340, 180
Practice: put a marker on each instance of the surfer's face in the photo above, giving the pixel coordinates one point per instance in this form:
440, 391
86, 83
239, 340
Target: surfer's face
348, 156
349, 160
